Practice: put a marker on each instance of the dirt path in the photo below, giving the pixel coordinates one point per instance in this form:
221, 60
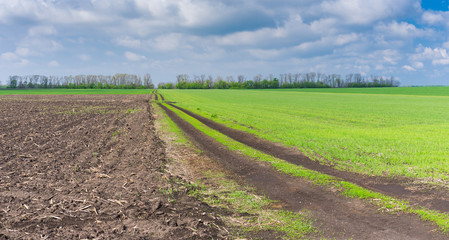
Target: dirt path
403, 188
340, 218
85, 167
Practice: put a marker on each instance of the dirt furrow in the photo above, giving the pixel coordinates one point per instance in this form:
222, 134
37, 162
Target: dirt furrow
85, 167
338, 217
400, 187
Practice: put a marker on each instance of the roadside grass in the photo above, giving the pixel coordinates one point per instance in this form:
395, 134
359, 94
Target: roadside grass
347, 189
397, 132
72, 91
256, 212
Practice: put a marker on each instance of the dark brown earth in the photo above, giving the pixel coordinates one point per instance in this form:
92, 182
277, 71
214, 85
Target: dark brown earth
338, 217
91, 167
399, 187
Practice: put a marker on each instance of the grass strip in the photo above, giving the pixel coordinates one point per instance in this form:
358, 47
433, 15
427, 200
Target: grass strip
347, 189
257, 213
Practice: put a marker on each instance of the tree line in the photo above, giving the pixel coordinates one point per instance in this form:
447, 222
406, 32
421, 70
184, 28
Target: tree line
117, 81
287, 80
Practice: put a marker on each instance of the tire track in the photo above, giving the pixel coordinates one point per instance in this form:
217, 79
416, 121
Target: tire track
435, 199
340, 218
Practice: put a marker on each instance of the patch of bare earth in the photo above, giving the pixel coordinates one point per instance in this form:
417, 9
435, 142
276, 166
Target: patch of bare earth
89, 167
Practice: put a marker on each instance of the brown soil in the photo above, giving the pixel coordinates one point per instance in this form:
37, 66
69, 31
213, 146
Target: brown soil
85, 167
338, 217
400, 187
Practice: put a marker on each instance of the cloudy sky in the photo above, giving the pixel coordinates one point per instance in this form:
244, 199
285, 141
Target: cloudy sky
408, 39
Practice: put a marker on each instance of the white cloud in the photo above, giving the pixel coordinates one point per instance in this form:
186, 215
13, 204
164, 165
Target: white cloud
22, 51
84, 57
265, 53
41, 30
291, 31
41, 44
53, 64
409, 68
435, 17
403, 29
327, 42
366, 11
168, 42
14, 59
418, 65
134, 57
438, 56
9, 56
129, 42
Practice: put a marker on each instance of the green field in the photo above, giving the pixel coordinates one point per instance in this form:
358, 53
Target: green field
73, 91
388, 131
425, 91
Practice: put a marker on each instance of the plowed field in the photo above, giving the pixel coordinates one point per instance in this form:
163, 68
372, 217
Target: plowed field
85, 167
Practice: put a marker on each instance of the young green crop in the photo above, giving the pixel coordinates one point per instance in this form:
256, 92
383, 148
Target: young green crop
380, 134
424, 91
347, 189
225, 193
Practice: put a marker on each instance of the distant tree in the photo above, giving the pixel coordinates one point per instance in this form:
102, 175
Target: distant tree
13, 81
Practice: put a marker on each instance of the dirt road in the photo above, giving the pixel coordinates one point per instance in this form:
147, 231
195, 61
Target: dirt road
338, 217
400, 187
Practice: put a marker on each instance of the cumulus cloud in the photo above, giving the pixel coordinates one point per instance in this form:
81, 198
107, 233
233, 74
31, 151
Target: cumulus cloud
370, 36
53, 64
438, 56
9, 56
84, 57
366, 11
129, 42
134, 57
41, 30
168, 42
435, 17
409, 68
403, 29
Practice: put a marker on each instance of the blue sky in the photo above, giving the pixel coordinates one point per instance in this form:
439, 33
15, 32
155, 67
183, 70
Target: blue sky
407, 39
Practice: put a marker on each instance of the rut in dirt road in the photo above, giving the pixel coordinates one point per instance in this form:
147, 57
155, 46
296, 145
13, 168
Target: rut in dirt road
338, 217
430, 198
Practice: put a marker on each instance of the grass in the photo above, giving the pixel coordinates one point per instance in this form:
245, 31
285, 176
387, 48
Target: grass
419, 91
389, 132
222, 192
347, 189
72, 91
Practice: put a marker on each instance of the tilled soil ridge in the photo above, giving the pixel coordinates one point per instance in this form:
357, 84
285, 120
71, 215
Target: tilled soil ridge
435, 199
89, 167
338, 217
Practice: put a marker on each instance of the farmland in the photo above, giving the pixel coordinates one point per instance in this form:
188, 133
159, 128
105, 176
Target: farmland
72, 91
138, 163
386, 132
89, 166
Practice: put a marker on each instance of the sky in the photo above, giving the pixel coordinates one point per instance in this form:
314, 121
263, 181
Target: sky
407, 39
